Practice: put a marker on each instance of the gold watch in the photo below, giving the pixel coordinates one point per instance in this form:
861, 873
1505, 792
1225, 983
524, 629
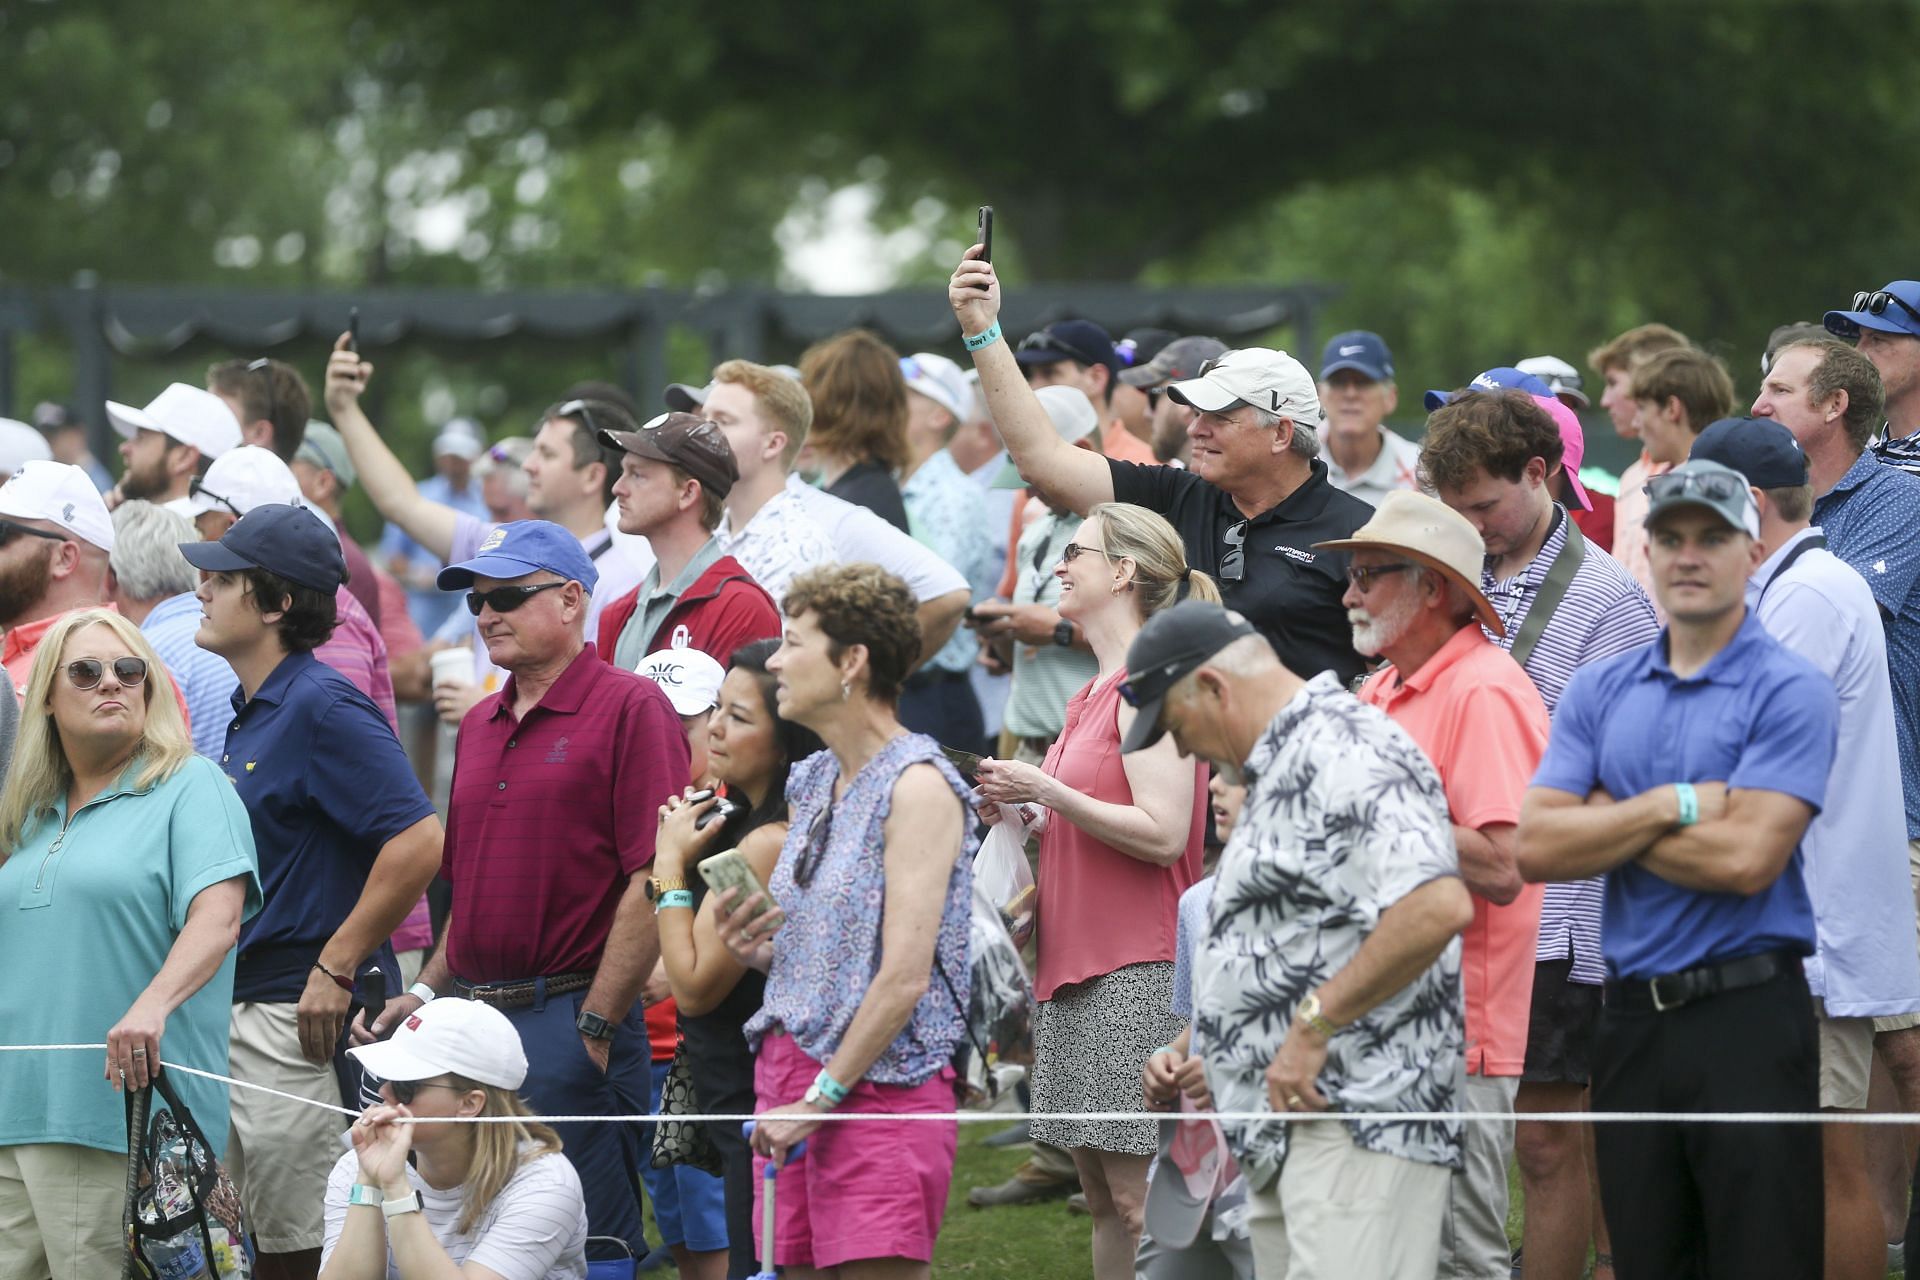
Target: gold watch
1309, 1013
658, 885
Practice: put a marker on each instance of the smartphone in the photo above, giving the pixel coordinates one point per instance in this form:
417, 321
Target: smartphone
353, 330
965, 761
729, 870
985, 233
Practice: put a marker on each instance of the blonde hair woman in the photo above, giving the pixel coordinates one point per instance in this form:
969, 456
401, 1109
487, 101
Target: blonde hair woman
1121, 846
498, 1196
126, 868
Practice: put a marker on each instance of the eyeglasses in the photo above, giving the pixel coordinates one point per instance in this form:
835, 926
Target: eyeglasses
1712, 486
818, 836
404, 1091
9, 530
265, 366
506, 599
198, 489
1072, 551
1233, 565
1876, 302
1363, 577
88, 672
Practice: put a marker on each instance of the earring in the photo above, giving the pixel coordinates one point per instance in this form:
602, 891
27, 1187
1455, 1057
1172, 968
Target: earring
846, 691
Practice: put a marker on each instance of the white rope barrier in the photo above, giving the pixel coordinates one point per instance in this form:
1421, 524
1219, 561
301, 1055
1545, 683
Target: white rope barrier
1870, 1118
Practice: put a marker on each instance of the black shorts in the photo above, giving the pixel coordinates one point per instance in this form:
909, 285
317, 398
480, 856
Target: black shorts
1560, 1026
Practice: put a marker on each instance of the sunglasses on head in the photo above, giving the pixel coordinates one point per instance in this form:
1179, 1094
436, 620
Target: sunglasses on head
1877, 302
1044, 341
195, 487
578, 409
506, 599
265, 366
9, 531
1712, 486
88, 672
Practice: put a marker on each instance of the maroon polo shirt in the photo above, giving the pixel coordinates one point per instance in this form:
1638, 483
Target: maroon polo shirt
551, 815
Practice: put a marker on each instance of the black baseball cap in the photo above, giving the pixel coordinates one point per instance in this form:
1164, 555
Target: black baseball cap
1171, 646
289, 542
1079, 340
1758, 448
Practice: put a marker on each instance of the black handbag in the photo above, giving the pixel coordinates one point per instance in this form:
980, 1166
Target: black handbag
681, 1141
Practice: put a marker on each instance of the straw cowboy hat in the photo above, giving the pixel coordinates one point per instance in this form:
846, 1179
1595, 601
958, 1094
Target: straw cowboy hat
1432, 535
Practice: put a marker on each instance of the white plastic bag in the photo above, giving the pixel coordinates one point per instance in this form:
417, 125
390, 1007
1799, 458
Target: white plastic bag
1001, 873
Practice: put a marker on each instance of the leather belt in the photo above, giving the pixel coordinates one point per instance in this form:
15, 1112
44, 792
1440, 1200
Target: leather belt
1671, 991
518, 995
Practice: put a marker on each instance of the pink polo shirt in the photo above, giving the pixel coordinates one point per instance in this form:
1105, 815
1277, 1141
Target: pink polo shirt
1481, 721
1101, 910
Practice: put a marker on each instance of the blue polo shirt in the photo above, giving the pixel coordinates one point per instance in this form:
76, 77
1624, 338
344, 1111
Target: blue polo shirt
326, 785
1868, 519
1758, 718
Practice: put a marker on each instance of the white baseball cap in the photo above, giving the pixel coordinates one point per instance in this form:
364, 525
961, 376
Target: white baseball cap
242, 479
450, 1036
59, 494
1563, 378
689, 677
1269, 380
457, 443
939, 380
19, 444
1074, 419
190, 415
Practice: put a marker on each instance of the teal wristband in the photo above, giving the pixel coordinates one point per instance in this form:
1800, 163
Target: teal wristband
830, 1089
984, 339
365, 1195
674, 898
1689, 803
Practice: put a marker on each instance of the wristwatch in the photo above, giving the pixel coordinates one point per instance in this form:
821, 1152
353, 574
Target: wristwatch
593, 1026
1309, 1013
1063, 634
657, 885
408, 1203
816, 1097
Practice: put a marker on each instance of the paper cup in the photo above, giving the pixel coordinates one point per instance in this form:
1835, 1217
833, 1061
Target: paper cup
451, 666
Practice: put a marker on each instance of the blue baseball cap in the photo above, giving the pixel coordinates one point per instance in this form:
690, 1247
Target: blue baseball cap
1364, 353
289, 542
520, 548
1894, 309
1758, 448
1079, 340
1505, 378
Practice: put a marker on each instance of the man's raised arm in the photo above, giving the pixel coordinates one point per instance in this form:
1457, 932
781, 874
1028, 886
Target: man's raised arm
382, 475
1058, 472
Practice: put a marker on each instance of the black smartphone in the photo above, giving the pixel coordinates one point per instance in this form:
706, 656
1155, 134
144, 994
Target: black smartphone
985, 234
353, 330
965, 761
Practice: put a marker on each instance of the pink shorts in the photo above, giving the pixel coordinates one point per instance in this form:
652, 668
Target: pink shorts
862, 1189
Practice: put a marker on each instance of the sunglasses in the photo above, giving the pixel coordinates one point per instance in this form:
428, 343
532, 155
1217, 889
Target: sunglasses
1711, 486
88, 672
1364, 578
405, 1091
9, 530
1233, 565
818, 836
1044, 341
1073, 550
265, 366
506, 599
1876, 303
200, 490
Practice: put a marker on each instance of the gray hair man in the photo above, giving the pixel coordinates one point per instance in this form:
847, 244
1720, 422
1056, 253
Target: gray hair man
153, 585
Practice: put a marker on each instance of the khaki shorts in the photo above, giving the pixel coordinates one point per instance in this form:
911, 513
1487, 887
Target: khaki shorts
281, 1152
1339, 1212
1846, 1058
1901, 1021
60, 1211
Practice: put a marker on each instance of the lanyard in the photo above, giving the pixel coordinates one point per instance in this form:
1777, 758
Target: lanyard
1805, 545
1573, 552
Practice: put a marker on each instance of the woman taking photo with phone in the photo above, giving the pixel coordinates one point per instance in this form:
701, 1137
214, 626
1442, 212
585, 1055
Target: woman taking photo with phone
750, 751
126, 868
1123, 843
866, 947
480, 1199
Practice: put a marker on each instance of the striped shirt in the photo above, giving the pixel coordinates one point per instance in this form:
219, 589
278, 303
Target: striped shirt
1604, 612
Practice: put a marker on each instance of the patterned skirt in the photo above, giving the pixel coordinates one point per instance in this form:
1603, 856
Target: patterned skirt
1090, 1044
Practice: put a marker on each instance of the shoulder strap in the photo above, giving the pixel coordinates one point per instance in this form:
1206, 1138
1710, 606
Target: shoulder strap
1808, 544
1573, 553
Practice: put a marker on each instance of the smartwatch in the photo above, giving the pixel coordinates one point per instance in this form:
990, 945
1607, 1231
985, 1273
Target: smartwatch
408, 1203
1063, 634
657, 886
593, 1026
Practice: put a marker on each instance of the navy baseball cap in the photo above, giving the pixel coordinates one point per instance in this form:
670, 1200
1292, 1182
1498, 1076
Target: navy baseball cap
1080, 340
289, 542
1894, 309
1364, 353
1505, 378
520, 548
1758, 448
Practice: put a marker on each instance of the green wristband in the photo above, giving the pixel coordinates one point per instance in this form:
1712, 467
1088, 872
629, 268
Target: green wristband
984, 339
1689, 803
674, 898
365, 1195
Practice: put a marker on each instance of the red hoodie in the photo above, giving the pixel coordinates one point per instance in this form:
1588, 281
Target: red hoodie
723, 609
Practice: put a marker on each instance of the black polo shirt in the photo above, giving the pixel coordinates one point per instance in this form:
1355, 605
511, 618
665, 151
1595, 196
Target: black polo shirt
1289, 590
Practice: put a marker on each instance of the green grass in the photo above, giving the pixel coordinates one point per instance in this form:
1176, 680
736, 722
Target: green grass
1015, 1243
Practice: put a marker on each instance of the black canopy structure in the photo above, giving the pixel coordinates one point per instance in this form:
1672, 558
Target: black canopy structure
108, 324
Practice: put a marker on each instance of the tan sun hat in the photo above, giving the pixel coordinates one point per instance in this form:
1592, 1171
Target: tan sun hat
1431, 534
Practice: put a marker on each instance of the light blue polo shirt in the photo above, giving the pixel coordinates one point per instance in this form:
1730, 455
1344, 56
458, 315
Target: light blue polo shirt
86, 921
1756, 717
